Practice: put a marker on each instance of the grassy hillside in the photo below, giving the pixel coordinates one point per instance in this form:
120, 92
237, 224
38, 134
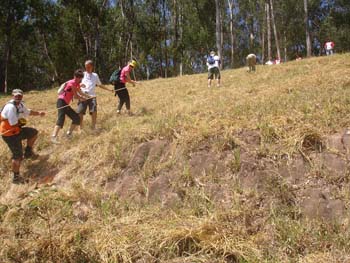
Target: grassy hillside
254, 171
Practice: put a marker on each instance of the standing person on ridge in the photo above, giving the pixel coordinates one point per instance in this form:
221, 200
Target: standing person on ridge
120, 87
13, 133
213, 63
71, 90
90, 81
329, 47
251, 62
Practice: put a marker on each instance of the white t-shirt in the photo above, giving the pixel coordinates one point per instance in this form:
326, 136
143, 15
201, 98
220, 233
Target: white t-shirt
90, 81
13, 113
216, 64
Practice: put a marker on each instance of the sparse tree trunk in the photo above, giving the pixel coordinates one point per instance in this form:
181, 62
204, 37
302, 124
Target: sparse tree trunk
218, 29
7, 61
285, 45
8, 49
268, 18
275, 31
232, 35
181, 39
307, 29
263, 37
165, 40
47, 53
175, 36
86, 38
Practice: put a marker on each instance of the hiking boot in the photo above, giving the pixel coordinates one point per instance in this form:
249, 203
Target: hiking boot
17, 179
54, 140
29, 154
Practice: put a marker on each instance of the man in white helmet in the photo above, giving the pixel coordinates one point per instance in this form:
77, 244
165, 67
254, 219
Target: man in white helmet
13, 132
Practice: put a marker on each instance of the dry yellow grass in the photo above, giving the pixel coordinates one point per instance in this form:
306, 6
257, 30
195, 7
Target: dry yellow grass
76, 220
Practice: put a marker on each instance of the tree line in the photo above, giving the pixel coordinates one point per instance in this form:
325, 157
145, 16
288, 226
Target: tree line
43, 41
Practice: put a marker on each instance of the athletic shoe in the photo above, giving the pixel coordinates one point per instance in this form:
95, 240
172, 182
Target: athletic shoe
54, 140
17, 179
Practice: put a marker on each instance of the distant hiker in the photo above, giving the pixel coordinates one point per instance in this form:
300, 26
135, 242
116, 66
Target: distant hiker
13, 132
277, 61
213, 63
329, 47
90, 81
71, 90
123, 77
251, 62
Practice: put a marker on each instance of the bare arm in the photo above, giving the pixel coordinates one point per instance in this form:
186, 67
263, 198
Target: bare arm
105, 88
78, 94
128, 79
37, 113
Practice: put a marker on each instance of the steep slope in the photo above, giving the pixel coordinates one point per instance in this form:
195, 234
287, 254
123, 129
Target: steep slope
255, 171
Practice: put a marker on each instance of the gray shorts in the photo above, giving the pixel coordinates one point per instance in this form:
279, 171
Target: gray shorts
83, 105
214, 72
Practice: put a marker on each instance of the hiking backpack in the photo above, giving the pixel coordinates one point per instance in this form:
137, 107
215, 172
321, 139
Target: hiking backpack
211, 60
115, 77
61, 88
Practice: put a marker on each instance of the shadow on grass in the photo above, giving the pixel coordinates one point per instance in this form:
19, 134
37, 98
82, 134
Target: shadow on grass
40, 170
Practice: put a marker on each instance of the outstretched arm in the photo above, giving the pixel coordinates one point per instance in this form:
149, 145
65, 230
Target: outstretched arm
105, 88
128, 79
37, 113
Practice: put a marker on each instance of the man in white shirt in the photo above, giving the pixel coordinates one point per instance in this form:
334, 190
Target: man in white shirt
89, 83
251, 62
213, 63
13, 133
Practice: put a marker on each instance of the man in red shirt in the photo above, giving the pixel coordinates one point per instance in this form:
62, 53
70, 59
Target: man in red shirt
120, 87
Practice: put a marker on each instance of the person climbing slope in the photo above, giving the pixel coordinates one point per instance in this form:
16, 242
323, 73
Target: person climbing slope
120, 86
90, 81
213, 63
71, 90
12, 119
251, 62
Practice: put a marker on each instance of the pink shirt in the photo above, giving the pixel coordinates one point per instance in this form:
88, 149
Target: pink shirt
127, 69
68, 93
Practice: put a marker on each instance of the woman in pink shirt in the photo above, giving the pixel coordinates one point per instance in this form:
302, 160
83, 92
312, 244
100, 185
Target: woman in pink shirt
71, 90
120, 87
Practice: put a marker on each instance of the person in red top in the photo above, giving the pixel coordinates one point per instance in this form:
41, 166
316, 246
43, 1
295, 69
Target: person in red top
329, 47
71, 90
120, 87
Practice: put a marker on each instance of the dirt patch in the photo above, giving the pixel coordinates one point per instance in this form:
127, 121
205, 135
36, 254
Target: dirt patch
130, 183
215, 174
318, 203
295, 170
203, 163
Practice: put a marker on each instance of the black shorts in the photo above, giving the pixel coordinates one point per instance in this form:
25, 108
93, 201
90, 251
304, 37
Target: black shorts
15, 142
214, 72
91, 103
